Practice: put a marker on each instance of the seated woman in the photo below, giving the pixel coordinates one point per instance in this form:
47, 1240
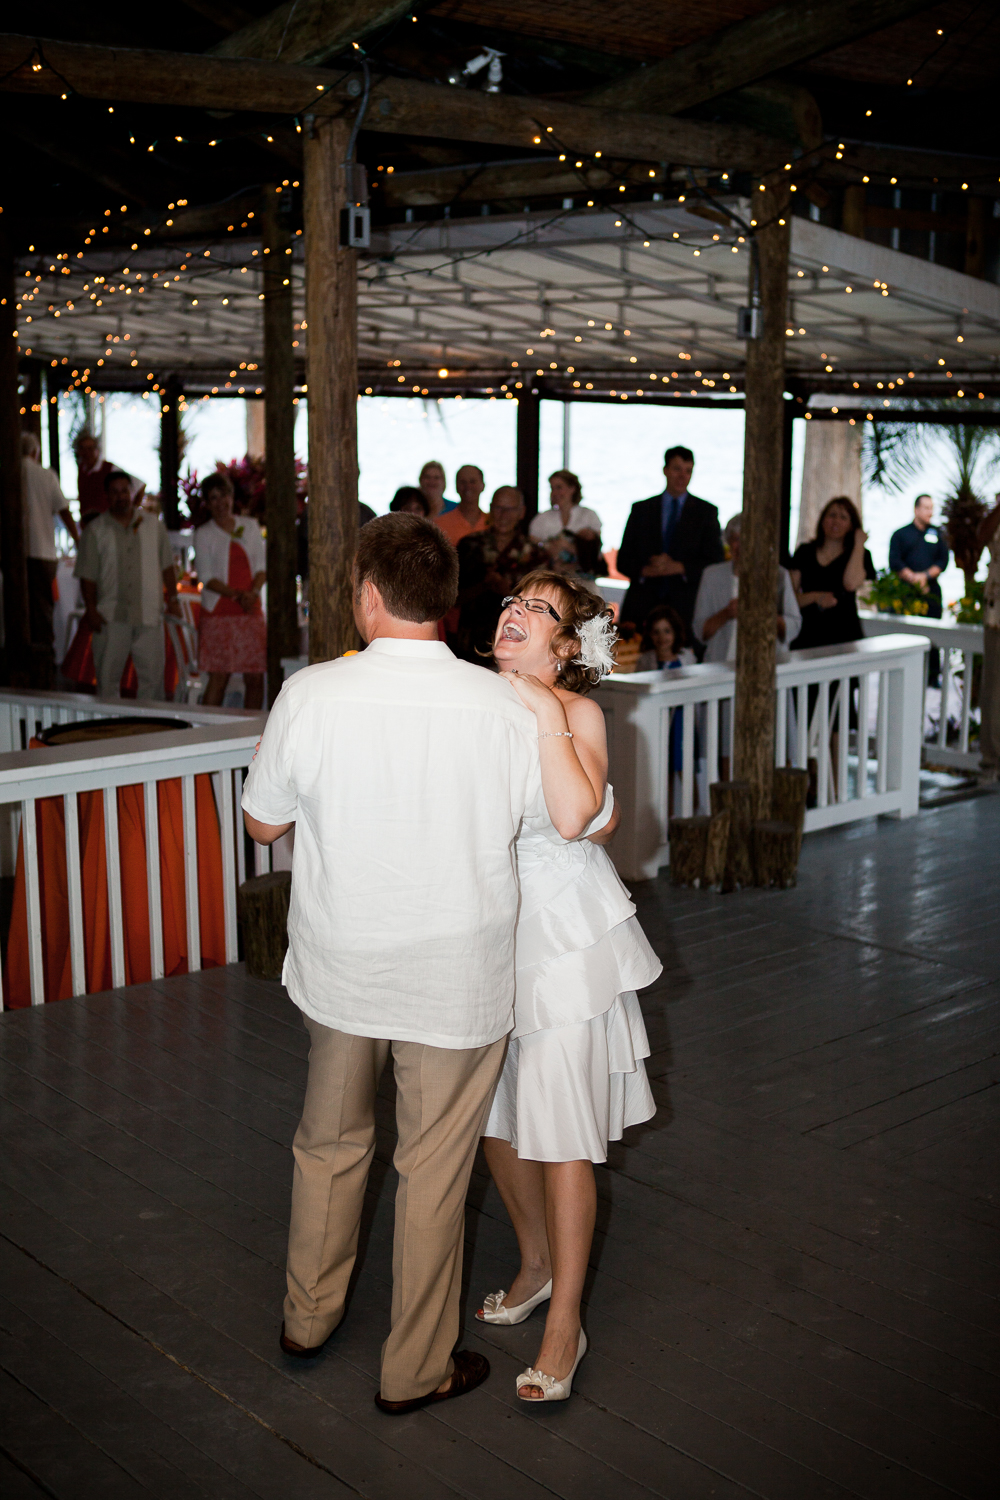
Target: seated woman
232, 632
664, 642
826, 575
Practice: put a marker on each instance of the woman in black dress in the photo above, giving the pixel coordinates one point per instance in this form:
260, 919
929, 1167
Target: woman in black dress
826, 574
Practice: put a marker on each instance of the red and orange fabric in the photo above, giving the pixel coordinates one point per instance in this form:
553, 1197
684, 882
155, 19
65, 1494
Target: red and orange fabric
54, 902
78, 665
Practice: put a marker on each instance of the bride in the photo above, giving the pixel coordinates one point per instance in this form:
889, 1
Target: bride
574, 1077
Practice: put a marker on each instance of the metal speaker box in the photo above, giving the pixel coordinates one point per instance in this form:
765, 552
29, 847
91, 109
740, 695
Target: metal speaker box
355, 227
749, 323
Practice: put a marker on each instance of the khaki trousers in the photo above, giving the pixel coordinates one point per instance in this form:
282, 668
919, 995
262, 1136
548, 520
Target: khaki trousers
443, 1098
989, 701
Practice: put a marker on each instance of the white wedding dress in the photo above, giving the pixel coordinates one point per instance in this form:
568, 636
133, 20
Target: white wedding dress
574, 1076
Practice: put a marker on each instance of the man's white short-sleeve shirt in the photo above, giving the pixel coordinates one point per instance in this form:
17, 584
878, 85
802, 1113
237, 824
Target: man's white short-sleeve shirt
406, 773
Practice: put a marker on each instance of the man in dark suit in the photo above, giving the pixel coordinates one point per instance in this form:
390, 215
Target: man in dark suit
668, 541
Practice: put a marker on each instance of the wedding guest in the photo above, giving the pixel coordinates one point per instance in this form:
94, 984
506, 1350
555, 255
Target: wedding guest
826, 574
919, 554
92, 473
664, 642
668, 541
406, 775
125, 565
432, 484
230, 561
42, 499
567, 511
410, 500
574, 1076
489, 564
716, 606
466, 518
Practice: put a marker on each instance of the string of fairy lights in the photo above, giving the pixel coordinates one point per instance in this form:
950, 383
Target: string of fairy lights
89, 289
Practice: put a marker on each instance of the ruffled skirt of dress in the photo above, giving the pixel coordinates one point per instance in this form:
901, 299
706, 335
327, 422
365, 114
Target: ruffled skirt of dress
565, 1092
574, 1077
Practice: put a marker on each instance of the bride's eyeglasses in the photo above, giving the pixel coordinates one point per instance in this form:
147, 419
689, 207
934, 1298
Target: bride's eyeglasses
536, 606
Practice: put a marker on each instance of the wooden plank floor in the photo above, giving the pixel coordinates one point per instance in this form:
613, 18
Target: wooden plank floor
793, 1290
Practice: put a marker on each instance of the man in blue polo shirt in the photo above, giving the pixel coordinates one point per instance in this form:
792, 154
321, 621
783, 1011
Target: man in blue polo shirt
919, 553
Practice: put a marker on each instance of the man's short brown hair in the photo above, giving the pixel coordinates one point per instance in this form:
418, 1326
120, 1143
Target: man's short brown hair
411, 563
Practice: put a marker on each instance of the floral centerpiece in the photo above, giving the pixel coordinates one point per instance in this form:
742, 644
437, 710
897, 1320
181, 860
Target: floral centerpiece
969, 609
248, 477
891, 595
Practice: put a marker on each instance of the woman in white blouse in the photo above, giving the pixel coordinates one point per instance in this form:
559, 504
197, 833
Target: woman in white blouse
229, 558
715, 607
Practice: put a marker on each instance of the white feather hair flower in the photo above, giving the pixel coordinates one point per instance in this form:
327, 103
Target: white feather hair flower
597, 638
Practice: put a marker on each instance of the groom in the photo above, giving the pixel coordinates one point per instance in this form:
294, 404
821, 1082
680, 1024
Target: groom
405, 773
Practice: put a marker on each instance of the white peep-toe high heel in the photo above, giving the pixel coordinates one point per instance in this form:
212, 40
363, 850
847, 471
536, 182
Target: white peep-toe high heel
494, 1311
555, 1390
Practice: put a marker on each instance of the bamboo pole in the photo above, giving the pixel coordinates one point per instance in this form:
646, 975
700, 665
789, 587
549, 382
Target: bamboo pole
279, 439
753, 715
332, 367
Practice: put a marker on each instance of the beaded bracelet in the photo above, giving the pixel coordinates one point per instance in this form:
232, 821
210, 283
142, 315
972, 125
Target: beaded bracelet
556, 734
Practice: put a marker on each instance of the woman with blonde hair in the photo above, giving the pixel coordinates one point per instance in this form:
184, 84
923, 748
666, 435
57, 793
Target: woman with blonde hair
574, 1076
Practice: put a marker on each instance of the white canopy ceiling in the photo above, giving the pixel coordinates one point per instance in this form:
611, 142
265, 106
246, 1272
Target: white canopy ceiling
652, 290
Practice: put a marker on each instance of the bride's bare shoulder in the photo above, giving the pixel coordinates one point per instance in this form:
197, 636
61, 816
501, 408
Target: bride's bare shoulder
581, 713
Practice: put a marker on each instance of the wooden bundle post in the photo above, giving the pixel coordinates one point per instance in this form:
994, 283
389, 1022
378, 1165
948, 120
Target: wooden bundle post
736, 798
262, 906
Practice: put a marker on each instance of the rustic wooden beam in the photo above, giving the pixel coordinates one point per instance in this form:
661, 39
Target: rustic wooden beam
786, 34
482, 182
398, 106
332, 325
753, 713
309, 31
16, 656
279, 439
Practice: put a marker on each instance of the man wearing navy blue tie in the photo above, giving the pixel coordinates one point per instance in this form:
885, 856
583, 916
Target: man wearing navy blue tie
669, 540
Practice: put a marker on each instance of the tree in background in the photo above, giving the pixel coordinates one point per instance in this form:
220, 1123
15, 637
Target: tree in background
894, 453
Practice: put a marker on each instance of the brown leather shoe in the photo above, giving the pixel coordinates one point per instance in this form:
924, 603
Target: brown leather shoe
471, 1369
299, 1351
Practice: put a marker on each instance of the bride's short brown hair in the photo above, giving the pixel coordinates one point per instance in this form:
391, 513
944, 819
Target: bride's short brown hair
577, 603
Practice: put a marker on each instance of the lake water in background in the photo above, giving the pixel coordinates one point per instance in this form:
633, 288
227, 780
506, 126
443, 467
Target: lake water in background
617, 450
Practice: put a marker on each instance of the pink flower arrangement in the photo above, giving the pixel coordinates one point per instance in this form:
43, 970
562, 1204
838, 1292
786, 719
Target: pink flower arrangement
248, 477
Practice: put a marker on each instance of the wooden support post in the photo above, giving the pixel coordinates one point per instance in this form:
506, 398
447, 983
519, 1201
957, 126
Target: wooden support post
32, 399
975, 237
52, 418
170, 454
279, 440
332, 368
753, 715
852, 219
528, 447
12, 558
785, 548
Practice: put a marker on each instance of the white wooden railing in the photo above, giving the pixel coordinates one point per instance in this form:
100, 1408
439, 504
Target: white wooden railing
946, 720
859, 773
220, 744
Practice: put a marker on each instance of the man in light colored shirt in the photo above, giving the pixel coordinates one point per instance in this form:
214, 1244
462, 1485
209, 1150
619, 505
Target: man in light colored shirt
124, 565
43, 499
406, 774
